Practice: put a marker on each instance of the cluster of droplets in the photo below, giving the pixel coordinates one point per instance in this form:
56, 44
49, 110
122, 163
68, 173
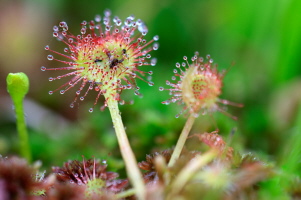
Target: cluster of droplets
105, 57
196, 85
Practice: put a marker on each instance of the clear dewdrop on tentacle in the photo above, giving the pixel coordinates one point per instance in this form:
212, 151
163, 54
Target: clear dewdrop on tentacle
106, 57
198, 86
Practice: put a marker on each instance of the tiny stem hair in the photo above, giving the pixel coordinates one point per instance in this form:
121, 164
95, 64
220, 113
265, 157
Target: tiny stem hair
128, 156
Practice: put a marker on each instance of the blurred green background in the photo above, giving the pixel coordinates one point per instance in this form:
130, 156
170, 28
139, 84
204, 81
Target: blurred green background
260, 41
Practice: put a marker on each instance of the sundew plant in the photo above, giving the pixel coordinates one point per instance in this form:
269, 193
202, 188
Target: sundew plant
113, 59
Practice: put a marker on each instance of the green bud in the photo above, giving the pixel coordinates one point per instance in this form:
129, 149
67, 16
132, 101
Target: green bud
17, 85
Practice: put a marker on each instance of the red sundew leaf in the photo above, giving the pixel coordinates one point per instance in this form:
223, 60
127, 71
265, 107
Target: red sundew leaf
105, 57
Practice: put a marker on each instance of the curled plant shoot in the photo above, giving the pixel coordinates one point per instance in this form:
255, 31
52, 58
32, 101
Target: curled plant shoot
17, 87
198, 87
106, 57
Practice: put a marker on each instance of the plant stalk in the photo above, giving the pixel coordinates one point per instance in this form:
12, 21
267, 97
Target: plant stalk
22, 130
189, 170
182, 139
125, 194
128, 156
17, 87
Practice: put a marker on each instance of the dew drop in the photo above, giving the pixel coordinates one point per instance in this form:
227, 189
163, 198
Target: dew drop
65, 28
55, 28
161, 88
177, 115
156, 37
185, 57
178, 65
62, 91
70, 40
104, 162
107, 13
128, 22
50, 57
62, 24
83, 31
175, 71
142, 27
97, 18
72, 105
211, 60
47, 47
108, 28
156, 46
81, 98
153, 62
50, 92
208, 56
150, 83
150, 73
139, 21
50, 79
55, 34
166, 102
43, 68
66, 50
91, 110
126, 28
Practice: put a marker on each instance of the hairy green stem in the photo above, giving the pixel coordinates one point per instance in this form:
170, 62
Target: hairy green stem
182, 139
131, 165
